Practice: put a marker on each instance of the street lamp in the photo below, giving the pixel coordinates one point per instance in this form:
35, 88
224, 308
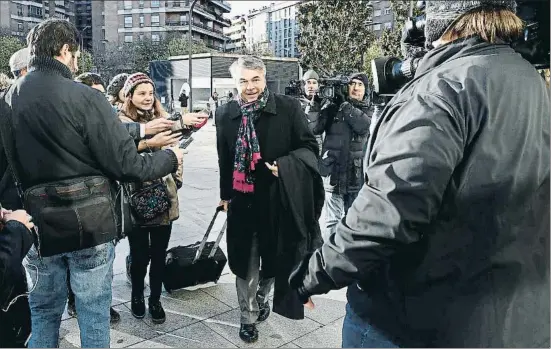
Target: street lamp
190, 53
82, 46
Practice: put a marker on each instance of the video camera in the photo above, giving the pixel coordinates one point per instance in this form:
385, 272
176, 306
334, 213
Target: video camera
328, 86
294, 89
391, 73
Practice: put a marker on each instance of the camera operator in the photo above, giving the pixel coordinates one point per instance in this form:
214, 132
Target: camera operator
311, 104
345, 122
447, 244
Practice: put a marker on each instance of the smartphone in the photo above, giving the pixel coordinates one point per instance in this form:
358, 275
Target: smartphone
185, 142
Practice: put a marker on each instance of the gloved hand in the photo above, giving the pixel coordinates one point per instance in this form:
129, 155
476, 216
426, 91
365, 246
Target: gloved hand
296, 279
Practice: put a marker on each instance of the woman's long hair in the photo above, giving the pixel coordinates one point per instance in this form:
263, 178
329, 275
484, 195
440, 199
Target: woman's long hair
143, 116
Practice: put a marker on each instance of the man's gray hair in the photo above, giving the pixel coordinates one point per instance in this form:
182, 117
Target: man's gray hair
20, 60
247, 62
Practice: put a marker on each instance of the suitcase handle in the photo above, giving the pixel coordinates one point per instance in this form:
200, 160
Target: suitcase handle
206, 236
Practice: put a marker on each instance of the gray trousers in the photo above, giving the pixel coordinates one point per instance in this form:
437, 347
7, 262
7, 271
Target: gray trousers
336, 206
254, 290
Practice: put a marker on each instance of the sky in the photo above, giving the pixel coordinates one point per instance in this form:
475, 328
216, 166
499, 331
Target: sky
239, 7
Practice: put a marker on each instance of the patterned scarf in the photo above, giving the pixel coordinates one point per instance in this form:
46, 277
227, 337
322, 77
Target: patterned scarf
247, 148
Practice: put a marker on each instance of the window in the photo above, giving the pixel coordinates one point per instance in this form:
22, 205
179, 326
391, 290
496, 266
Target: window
20, 27
376, 13
142, 37
155, 3
154, 20
142, 20
388, 25
155, 37
388, 11
128, 22
183, 19
19, 10
34, 11
376, 27
141, 3
128, 38
127, 5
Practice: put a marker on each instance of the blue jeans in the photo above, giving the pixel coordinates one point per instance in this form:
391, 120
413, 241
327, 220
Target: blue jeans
91, 272
336, 207
357, 333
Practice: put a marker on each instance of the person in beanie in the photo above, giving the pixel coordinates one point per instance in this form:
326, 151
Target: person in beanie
345, 121
19, 62
447, 243
311, 103
114, 91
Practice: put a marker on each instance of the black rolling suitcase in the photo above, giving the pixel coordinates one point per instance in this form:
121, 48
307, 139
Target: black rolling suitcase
197, 263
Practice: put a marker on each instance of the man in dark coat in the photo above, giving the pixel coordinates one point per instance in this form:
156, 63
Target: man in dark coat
253, 132
447, 243
345, 122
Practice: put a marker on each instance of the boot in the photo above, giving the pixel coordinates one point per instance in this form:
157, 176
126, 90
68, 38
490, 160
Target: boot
263, 311
138, 307
115, 316
248, 333
157, 312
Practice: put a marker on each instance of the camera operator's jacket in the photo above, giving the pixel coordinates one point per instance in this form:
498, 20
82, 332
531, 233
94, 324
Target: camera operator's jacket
346, 128
312, 108
449, 238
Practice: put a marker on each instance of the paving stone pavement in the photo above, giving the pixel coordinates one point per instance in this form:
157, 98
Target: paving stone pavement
208, 316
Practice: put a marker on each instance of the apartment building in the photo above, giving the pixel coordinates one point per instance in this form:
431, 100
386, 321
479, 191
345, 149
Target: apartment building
274, 29
383, 17
18, 16
130, 21
237, 34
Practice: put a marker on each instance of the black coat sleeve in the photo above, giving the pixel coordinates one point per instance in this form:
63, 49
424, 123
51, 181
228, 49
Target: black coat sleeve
115, 150
412, 161
225, 161
133, 129
15, 241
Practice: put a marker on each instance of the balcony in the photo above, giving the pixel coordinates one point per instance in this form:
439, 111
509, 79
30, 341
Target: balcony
222, 4
199, 27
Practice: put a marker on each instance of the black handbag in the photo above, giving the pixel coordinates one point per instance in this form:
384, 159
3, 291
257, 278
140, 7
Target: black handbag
150, 201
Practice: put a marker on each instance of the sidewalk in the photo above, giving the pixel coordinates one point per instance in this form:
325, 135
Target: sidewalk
208, 316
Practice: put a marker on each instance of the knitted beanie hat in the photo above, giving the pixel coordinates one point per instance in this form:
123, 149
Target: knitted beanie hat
362, 77
310, 74
135, 80
441, 13
116, 84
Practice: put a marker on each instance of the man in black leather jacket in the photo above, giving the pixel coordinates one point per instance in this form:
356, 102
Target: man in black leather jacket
447, 244
345, 122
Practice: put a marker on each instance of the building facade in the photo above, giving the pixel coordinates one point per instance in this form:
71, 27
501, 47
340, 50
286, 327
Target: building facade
17, 17
274, 29
133, 20
237, 34
383, 17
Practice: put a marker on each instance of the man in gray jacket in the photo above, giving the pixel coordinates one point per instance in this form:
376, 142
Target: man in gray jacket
310, 102
447, 243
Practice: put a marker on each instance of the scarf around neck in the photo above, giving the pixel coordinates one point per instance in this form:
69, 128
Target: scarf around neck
247, 148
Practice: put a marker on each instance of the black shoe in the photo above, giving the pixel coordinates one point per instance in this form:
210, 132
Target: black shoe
128, 264
157, 312
264, 311
115, 316
138, 307
248, 333
71, 309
